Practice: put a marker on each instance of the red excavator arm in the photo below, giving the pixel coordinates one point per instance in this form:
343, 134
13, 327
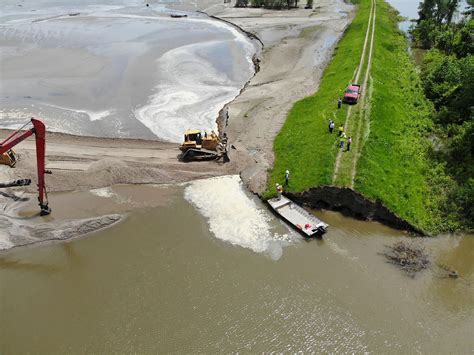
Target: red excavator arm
39, 130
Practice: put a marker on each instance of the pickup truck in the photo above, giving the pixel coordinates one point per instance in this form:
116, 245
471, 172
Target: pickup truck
352, 94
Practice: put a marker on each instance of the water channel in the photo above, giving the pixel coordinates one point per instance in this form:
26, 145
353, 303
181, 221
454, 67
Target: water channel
161, 281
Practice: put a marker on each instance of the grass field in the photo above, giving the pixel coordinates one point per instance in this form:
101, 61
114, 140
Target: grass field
394, 165
303, 145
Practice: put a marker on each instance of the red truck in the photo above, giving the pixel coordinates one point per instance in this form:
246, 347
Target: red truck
352, 94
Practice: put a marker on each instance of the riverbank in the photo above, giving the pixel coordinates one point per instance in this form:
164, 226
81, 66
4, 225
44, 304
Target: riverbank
389, 159
148, 283
297, 46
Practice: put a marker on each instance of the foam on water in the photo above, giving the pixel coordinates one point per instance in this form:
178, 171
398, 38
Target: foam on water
233, 216
105, 192
5, 242
192, 95
93, 115
194, 91
188, 80
108, 192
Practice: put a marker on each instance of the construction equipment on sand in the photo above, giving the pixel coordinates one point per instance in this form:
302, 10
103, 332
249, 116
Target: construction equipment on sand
39, 130
197, 146
8, 158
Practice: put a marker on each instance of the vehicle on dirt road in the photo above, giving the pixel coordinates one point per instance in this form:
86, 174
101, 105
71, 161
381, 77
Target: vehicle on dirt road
352, 94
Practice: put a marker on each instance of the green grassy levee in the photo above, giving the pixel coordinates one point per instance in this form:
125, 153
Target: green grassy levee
303, 145
394, 166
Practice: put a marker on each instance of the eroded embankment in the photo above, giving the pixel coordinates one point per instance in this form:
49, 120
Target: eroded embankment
223, 117
353, 204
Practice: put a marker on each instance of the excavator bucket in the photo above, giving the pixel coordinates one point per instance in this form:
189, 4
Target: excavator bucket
8, 158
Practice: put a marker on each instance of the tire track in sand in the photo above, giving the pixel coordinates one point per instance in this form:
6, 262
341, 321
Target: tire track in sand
366, 103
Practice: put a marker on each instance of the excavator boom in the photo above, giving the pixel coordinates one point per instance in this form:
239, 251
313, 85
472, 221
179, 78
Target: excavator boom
39, 130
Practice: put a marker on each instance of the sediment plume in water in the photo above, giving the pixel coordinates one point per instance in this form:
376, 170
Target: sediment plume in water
233, 216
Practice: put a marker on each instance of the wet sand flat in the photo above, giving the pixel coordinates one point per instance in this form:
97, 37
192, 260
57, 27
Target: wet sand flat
125, 71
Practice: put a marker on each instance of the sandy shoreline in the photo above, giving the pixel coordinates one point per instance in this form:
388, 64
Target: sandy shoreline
297, 45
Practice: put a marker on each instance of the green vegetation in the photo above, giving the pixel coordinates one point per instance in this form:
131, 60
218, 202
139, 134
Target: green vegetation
448, 82
303, 145
394, 166
397, 164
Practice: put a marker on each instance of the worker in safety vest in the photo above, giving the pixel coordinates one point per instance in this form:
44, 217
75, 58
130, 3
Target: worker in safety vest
341, 130
279, 189
342, 141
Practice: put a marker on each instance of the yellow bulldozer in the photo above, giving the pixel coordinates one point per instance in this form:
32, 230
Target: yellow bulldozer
8, 158
203, 146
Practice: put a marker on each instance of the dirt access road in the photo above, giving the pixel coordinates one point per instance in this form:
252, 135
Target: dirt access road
357, 120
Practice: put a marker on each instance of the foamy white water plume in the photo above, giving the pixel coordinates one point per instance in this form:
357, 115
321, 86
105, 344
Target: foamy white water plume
233, 216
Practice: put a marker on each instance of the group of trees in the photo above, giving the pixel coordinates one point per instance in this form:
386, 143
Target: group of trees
448, 78
435, 27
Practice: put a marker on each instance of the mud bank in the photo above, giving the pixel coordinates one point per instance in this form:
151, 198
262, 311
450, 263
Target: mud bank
23, 235
353, 204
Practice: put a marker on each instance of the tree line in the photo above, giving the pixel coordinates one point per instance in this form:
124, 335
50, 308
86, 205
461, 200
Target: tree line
447, 72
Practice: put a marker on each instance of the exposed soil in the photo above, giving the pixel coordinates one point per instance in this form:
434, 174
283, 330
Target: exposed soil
84, 163
352, 203
296, 46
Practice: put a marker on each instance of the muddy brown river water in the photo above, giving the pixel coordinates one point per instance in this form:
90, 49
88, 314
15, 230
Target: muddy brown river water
162, 282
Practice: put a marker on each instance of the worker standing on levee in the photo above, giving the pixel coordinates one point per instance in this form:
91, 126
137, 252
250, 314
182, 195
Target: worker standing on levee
279, 189
339, 103
349, 142
287, 177
341, 130
342, 141
331, 126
